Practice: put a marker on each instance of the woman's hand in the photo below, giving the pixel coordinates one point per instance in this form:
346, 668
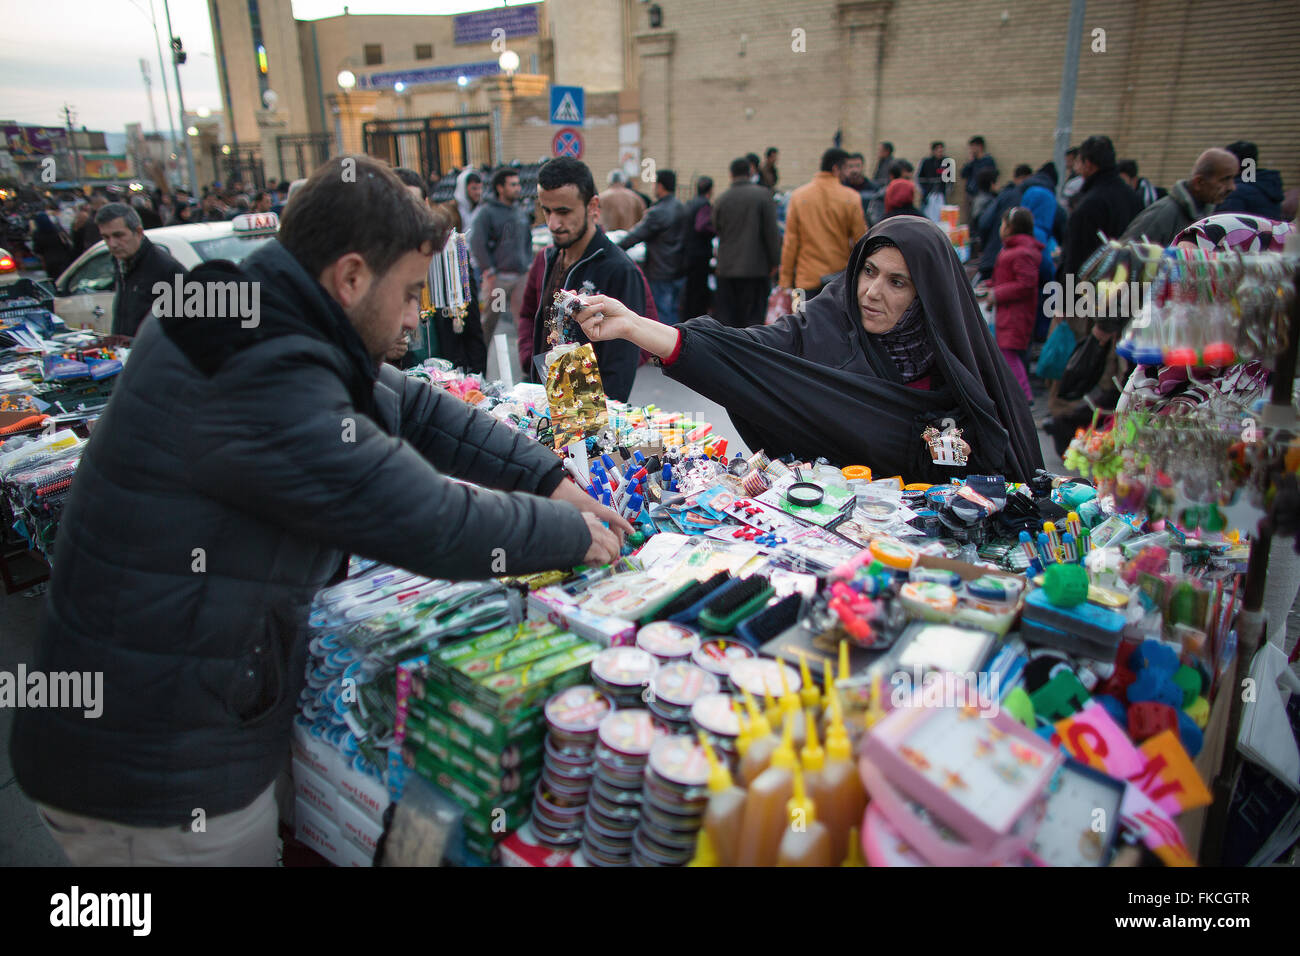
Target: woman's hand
605, 318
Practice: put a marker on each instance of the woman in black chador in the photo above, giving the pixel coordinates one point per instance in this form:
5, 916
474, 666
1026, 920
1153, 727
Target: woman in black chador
892, 346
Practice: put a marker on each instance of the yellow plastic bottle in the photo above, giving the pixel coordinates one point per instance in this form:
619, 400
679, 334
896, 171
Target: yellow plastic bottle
791, 712
813, 758
705, 855
765, 806
844, 660
743, 738
726, 811
771, 708
854, 857
809, 696
762, 743
838, 789
806, 841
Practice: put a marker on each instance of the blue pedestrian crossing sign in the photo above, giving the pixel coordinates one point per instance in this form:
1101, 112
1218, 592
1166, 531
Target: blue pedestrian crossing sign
567, 105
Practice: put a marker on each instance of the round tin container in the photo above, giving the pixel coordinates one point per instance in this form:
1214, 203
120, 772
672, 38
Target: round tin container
558, 805
574, 714
678, 686
627, 733
940, 495
677, 840
613, 833
622, 672
568, 758
665, 818
667, 641
672, 799
713, 714
613, 815
645, 852
718, 655
616, 796
569, 787
617, 849
763, 674
625, 778
679, 762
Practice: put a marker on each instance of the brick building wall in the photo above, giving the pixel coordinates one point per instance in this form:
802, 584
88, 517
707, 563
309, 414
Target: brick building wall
1175, 77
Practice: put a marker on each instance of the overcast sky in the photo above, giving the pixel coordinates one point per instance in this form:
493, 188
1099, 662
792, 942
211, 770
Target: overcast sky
86, 53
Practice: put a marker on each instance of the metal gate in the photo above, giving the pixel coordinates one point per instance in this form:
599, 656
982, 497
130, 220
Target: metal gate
432, 145
240, 164
301, 154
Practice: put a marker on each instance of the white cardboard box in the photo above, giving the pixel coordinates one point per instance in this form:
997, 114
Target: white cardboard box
311, 788
319, 834
357, 827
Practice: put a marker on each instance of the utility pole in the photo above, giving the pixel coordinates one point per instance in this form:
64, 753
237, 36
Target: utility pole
1069, 80
178, 57
148, 89
162, 68
68, 117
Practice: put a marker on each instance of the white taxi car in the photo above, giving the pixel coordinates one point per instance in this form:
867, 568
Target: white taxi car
84, 292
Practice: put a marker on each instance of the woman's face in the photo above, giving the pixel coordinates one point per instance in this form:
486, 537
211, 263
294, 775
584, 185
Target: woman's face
885, 290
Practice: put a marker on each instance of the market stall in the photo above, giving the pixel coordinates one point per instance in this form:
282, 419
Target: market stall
804, 663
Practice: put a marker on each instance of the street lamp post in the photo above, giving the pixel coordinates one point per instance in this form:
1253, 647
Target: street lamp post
346, 80
180, 97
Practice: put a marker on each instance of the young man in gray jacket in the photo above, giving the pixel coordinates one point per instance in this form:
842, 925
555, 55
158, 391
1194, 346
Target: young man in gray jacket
241, 459
501, 241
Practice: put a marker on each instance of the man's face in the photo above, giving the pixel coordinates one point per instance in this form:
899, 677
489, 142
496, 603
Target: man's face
474, 191
263, 204
852, 171
937, 152
511, 190
774, 158
389, 308
567, 217
1131, 180
1072, 164
976, 150
123, 242
1086, 168
1214, 188
882, 152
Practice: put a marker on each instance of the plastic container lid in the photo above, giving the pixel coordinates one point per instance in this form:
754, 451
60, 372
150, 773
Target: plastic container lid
938, 597
628, 732
578, 709
714, 714
991, 588
667, 641
624, 667
719, 654
763, 675
894, 554
680, 760
681, 685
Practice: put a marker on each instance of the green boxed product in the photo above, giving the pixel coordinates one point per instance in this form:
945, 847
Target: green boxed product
443, 661
464, 791
446, 713
467, 674
521, 687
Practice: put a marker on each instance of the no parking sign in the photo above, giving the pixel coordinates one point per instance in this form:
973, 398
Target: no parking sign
567, 142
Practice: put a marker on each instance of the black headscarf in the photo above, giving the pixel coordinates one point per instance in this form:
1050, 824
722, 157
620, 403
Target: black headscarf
819, 384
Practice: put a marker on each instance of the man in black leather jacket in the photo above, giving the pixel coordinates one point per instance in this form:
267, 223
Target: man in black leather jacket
663, 229
140, 264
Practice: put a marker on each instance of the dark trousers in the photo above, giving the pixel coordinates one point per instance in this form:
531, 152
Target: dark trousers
741, 302
696, 300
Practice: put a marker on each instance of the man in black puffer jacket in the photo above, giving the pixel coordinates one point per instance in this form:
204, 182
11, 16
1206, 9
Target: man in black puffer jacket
240, 460
140, 265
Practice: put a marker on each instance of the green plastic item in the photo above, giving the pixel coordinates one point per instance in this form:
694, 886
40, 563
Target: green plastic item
1190, 681
1066, 584
725, 625
651, 613
1183, 605
1019, 706
1076, 493
1060, 697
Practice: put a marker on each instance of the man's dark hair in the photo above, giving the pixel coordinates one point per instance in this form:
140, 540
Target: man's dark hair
833, 157
899, 168
703, 186
500, 176
1072, 151
667, 179
937, 142
976, 141
1020, 220
363, 209
753, 159
1127, 167
770, 151
473, 178
889, 146
857, 156
739, 167
119, 210
410, 177
986, 178
1099, 151
1022, 170
566, 171
257, 196
1243, 149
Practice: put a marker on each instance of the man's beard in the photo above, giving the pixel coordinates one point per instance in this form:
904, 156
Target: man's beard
578, 235
368, 322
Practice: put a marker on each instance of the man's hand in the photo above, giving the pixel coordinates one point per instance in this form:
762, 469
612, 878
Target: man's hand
604, 543
590, 507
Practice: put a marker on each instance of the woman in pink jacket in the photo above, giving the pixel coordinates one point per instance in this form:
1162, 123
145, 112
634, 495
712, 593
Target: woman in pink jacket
1014, 291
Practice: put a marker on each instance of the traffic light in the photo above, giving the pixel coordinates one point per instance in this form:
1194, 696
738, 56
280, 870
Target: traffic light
178, 51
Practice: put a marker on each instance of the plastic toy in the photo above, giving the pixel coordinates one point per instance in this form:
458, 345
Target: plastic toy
1066, 585
1148, 718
